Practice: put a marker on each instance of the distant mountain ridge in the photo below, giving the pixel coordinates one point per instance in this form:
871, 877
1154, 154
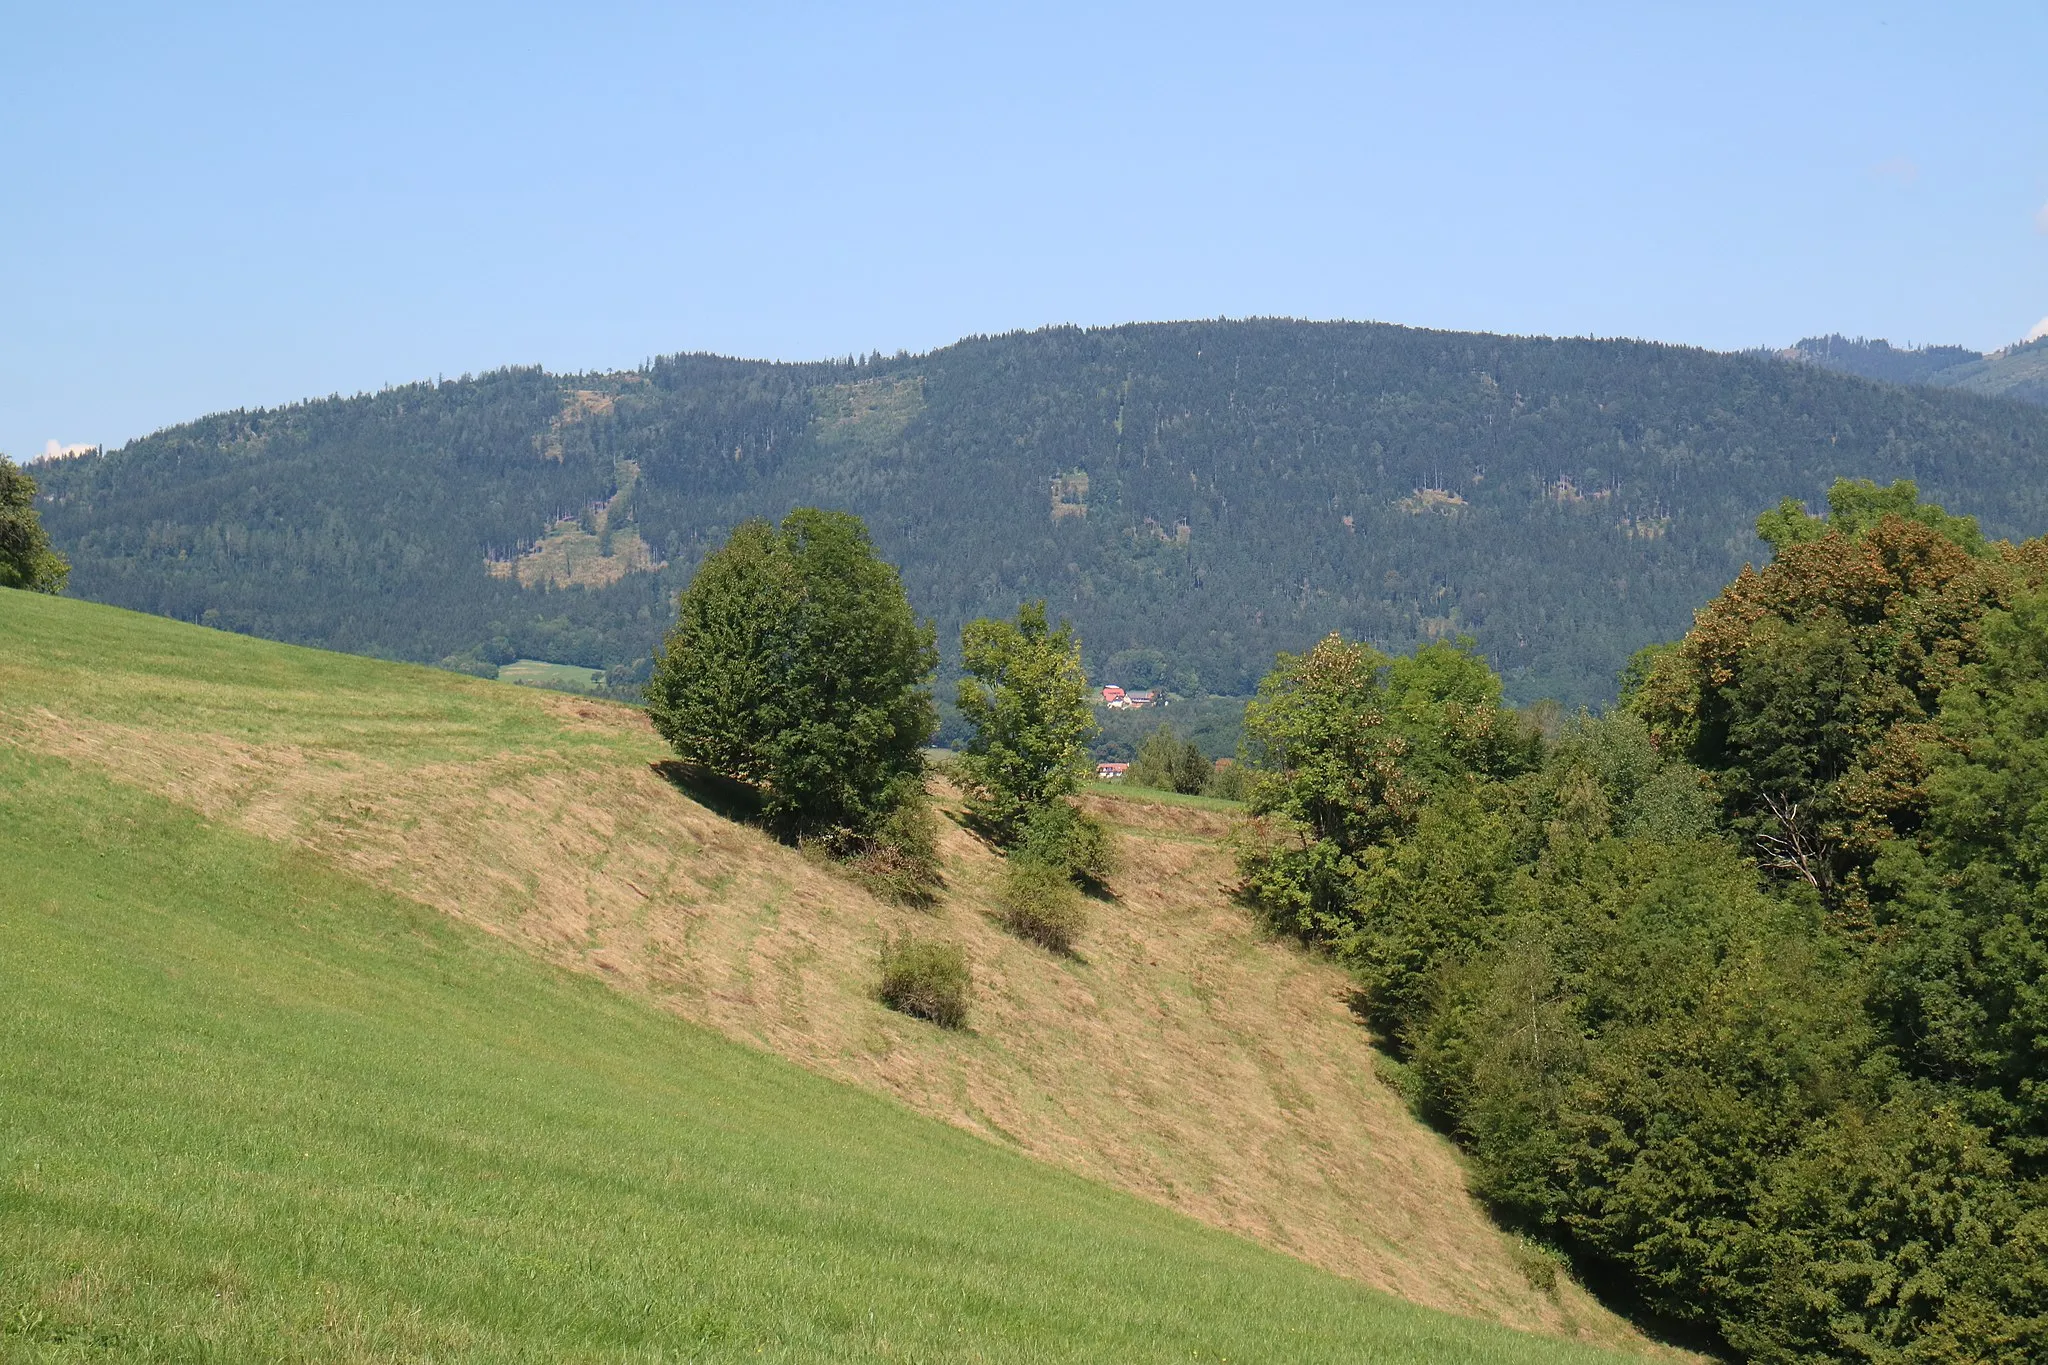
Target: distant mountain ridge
2019, 371
1195, 495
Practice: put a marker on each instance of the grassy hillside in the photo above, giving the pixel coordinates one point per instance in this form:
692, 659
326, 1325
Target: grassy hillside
259, 1095
1195, 496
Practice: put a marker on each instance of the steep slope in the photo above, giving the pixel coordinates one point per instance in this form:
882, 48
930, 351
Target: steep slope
256, 1110
1181, 1056
1212, 491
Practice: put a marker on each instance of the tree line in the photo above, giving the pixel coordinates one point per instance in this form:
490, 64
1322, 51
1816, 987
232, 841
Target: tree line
1738, 993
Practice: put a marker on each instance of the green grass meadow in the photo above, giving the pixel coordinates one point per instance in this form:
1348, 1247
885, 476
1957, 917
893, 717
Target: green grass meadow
1130, 791
251, 1109
541, 673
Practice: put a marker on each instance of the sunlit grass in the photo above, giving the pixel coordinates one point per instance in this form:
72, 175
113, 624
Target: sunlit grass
254, 1109
1130, 791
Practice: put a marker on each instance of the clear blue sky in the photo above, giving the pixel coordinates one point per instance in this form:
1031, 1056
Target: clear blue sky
210, 206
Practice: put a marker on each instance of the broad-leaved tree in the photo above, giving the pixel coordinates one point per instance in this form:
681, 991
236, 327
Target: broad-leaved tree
797, 665
27, 559
1026, 698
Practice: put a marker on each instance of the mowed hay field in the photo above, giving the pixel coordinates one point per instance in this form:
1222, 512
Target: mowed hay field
270, 1093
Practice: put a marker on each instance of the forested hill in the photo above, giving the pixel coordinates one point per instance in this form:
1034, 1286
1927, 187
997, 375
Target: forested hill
1194, 495
2016, 372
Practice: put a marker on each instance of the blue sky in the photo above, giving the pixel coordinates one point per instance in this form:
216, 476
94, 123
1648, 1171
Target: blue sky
213, 206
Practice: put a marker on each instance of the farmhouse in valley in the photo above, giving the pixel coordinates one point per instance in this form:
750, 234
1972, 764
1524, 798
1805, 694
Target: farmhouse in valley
1116, 699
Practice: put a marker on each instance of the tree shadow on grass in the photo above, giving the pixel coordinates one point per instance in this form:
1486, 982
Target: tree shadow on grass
1096, 890
733, 799
882, 873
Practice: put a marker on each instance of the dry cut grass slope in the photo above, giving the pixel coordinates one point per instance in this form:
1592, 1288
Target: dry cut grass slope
1181, 1054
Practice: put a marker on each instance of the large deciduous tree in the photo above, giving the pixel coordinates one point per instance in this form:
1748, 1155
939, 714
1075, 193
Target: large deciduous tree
27, 559
797, 665
1808, 688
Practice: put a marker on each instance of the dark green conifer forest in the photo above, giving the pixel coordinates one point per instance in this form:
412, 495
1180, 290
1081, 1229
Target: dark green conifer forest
1193, 496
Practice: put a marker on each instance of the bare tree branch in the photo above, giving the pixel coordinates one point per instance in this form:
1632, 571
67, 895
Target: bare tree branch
1795, 847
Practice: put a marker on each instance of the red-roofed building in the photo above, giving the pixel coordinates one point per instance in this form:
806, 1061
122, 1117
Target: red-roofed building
1111, 772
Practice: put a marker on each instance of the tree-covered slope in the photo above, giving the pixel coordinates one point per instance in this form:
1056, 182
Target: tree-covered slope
1211, 491
2015, 372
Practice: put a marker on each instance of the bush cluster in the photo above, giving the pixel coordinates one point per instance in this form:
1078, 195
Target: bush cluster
1062, 836
926, 979
1229, 782
1039, 903
1059, 850
1169, 763
899, 859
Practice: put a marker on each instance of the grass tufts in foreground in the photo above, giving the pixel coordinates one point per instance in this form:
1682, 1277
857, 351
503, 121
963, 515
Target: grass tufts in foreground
257, 1110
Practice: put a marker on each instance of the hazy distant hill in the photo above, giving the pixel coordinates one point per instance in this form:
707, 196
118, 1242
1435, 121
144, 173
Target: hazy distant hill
2016, 372
1194, 495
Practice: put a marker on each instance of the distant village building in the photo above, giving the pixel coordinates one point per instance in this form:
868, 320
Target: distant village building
1111, 772
1116, 699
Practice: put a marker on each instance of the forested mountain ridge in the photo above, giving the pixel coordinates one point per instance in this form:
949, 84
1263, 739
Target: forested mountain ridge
2015, 372
1194, 495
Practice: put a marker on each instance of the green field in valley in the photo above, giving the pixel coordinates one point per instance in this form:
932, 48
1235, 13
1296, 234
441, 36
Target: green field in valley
1131, 791
541, 673
257, 1110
